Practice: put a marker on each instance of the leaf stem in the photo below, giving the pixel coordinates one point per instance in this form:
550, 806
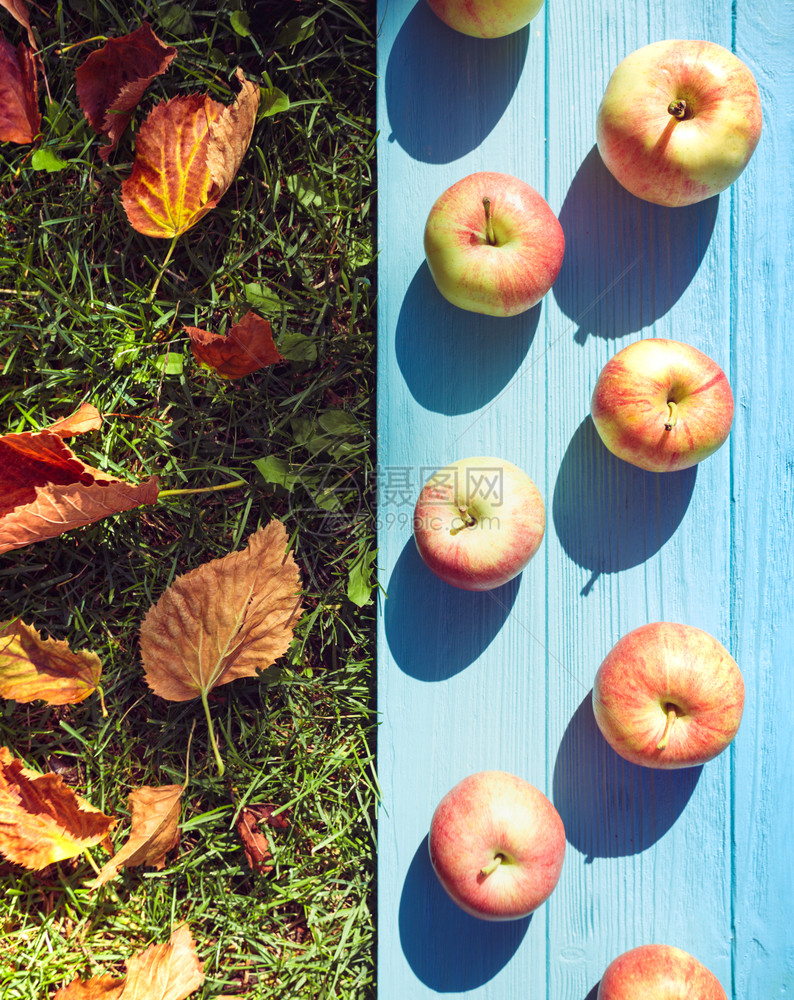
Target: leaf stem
163, 266
201, 489
211, 729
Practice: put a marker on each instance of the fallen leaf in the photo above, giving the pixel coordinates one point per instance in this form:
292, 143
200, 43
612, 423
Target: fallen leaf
168, 971
187, 152
111, 81
246, 348
154, 831
98, 988
32, 667
18, 9
255, 842
41, 819
20, 119
85, 418
46, 490
228, 618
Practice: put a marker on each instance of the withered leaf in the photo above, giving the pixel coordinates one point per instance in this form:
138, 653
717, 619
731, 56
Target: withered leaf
85, 418
255, 842
111, 81
226, 619
154, 831
20, 119
32, 667
42, 820
46, 490
170, 971
18, 9
187, 152
246, 348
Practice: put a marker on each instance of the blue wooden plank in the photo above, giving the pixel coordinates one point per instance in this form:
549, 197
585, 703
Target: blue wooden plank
467, 681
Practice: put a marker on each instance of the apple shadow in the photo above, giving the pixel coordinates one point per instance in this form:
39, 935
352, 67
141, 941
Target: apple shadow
432, 68
455, 361
608, 514
627, 262
593, 994
435, 630
610, 807
448, 950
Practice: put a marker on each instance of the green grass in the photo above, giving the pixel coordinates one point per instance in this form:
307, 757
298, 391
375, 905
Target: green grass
292, 239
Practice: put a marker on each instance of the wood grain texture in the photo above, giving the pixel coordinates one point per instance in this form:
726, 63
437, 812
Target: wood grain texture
703, 858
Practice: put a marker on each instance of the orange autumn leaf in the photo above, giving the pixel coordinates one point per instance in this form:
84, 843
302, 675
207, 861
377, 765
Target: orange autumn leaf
170, 971
255, 842
85, 418
111, 81
18, 9
45, 489
20, 119
188, 151
41, 819
154, 831
32, 667
246, 348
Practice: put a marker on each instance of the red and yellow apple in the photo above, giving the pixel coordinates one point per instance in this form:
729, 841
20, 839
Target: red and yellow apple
486, 18
497, 845
679, 121
478, 522
668, 696
493, 244
658, 972
662, 405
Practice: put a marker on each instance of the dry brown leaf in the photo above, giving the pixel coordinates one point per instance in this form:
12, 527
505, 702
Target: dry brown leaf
20, 119
85, 418
18, 9
46, 490
228, 618
154, 831
32, 667
246, 348
255, 842
230, 135
41, 819
111, 81
187, 152
168, 971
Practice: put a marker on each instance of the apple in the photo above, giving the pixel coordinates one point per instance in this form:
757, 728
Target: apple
493, 245
486, 18
679, 121
668, 696
662, 405
478, 522
658, 972
497, 845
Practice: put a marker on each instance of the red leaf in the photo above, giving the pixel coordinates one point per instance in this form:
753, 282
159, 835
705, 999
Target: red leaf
112, 80
19, 94
247, 347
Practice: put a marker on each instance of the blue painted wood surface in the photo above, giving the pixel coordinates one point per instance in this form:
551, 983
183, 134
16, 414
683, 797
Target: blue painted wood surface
704, 858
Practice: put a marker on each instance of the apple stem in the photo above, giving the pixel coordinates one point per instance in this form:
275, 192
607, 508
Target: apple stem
672, 416
672, 715
489, 233
492, 866
677, 109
